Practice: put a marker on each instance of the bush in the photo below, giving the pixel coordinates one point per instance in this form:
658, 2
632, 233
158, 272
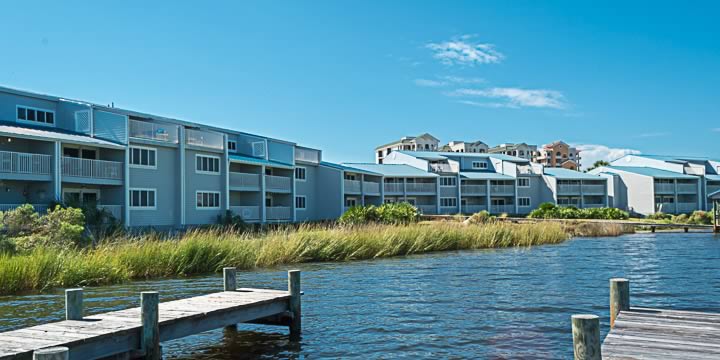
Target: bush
230, 219
659, 216
7, 245
551, 211
61, 228
393, 213
21, 221
482, 217
680, 219
701, 218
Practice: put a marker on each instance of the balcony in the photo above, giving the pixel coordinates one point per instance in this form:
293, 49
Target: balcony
39, 208
441, 168
92, 169
499, 209
153, 131
687, 188
472, 209
277, 184
420, 188
307, 155
393, 188
205, 139
245, 181
502, 189
686, 207
568, 189
593, 189
371, 188
278, 213
473, 189
352, 186
25, 163
247, 213
427, 209
666, 188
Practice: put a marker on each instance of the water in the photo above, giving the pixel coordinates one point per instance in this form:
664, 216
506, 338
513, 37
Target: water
493, 304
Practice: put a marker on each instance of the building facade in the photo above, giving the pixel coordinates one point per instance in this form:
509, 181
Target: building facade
424, 142
559, 154
521, 150
465, 147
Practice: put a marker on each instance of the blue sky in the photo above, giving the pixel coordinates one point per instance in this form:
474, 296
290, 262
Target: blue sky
612, 77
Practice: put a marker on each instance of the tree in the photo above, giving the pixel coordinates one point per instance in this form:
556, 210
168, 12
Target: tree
598, 164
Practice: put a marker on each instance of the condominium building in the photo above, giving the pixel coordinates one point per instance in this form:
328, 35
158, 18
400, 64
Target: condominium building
559, 154
424, 142
521, 150
465, 147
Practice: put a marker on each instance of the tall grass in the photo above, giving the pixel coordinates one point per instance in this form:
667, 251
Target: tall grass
207, 251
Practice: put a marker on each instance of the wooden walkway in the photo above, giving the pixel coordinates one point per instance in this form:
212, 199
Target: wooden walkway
124, 333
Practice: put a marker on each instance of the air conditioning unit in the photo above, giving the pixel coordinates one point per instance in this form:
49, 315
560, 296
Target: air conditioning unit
83, 123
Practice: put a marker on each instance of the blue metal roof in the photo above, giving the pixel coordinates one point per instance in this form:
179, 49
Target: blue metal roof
348, 168
392, 170
652, 172
567, 174
258, 161
678, 158
42, 134
443, 155
712, 177
485, 176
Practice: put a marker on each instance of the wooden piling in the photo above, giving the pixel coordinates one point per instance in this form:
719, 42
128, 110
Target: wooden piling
230, 278
619, 297
52, 353
149, 312
687, 229
586, 337
652, 229
74, 304
295, 308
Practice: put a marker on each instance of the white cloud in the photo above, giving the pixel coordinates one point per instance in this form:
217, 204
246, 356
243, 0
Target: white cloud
483, 104
463, 80
652, 134
590, 153
463, 51
517, 98
441, 81
430, 83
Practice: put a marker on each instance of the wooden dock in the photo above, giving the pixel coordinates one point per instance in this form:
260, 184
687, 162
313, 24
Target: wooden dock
644, 333
137, 332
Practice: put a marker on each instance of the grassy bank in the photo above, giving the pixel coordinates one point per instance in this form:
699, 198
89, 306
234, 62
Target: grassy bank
206, 251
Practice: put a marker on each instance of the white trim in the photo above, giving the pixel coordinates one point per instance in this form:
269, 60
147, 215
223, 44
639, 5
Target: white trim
34, 122
203, 172
524, 197
304, 171
523, 178
154, 192
139, 166
219, 205
305, 201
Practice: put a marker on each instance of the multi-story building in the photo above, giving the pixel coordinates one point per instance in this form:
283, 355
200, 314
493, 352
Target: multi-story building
559, 154
521, 150
465, 147
424, 142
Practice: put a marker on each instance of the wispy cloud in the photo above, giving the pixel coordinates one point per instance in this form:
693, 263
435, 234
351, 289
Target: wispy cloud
441, 81
483, 104
715, 129
464, 51
430, 83
515, 97
652, 134
593, 152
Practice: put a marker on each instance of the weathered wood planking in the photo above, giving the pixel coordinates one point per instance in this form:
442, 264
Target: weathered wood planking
643, 333
119, 332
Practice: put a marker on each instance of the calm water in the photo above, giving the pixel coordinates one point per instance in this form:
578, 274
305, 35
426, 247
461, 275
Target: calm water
482, 304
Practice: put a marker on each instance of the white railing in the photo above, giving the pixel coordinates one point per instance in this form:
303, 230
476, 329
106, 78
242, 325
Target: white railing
568, 189
25, 163
393, 188
244, 180
352, 186
499, 209
246, 212
694, 170
278, 213
687, 188
472, 209
370, 187
502, 189
441, 168
154, 131
427, 209
473, 189
277, 183
686, 207
421, 187
307, 155
586, 205
94, 169
593, 189
115, 210
39, 208
664, 188
205, 139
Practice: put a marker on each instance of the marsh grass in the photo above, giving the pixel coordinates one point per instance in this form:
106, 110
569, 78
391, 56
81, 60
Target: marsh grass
207, 251
596, 229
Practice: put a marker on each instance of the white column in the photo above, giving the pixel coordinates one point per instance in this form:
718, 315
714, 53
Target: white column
582, 195
459, 193
292, 196
487, 193
362, 189
382, 190
437, 196
263, 209
58, 171
227, 173
676, 196
405, 189
342, 192
126, 186
516, 197
181, 148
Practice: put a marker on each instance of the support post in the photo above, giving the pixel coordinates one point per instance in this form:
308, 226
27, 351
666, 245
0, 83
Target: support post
619, 298
230, 279
652, 229
586, 337
73, 304
52, 353
295, 308
150, 340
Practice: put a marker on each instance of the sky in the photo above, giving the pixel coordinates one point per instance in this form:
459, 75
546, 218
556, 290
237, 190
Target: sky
612, 77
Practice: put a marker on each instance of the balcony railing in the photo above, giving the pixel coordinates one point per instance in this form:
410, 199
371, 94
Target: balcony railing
25, 163
352, 186
568, 189
39, 208
593, 189
278, 213
277, 183
441, 168
427, 209
396, 188
686, 207
246, 212
499, 209
93, 169
664, 187
472, 209
307, 155
152, 131
370, 187
243, 180
115, 210
420, 188
473, 189
502, 189
205, 139
687, 188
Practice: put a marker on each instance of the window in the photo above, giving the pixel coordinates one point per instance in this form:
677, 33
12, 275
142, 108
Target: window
207, 200
300, 173
143, 199
300, 202
379, 153
448, 181
479, 165
524, 201
41, 116
448, 202
205, 164
523, 182
143, 157
232, 145
349, 176
350, 202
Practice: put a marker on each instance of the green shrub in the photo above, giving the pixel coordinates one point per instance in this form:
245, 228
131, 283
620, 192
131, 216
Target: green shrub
482, 217
7, 245
21, 221
232, 220
61, 228
701, 218
392, 213
659, 216
551, 211
680, 219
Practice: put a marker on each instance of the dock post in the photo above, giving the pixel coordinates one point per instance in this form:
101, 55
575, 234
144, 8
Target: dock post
686, 229
230, 279
73, 304
652, 229
295, 308
52, 353
149, 313
586, 337
619, 298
